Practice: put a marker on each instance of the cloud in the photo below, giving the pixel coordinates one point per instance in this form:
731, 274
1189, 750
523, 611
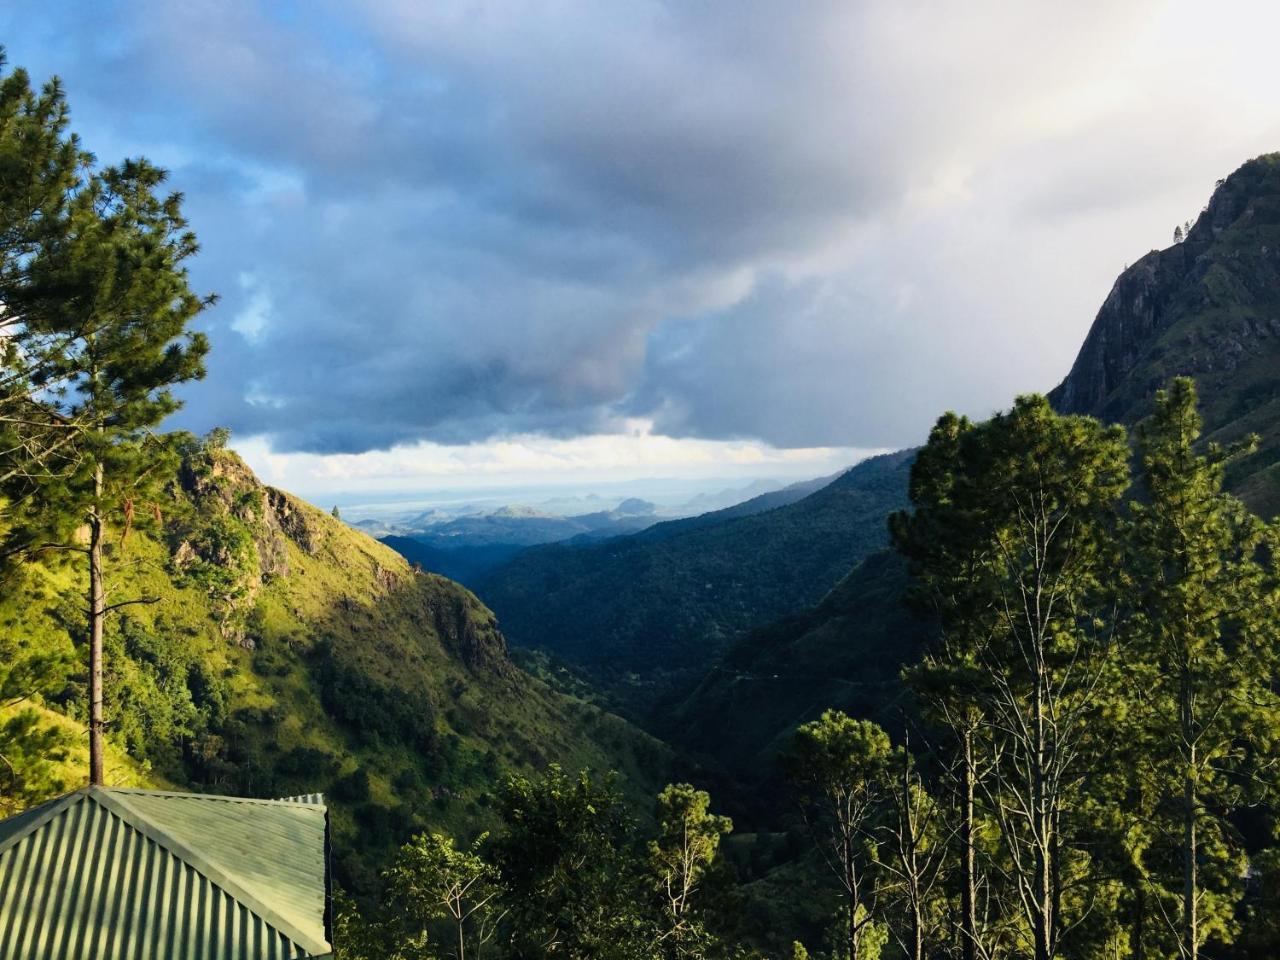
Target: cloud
794, 225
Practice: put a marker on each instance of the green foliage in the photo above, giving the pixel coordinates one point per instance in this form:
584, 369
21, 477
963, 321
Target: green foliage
30, 756
1201, 670
574, 887
686, 846
1013, 544
434, 886
841, 768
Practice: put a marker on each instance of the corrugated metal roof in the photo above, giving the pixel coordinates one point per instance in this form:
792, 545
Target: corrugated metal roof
305, 798
129, 874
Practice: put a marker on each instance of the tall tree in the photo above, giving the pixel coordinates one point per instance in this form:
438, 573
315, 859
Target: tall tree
432, 881
840, 766
687, 842
1013, 530
1206, 645
947, 552
104, 335
41, 163
913, 857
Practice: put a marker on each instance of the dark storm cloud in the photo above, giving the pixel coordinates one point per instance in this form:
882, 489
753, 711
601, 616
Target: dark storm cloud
452, 221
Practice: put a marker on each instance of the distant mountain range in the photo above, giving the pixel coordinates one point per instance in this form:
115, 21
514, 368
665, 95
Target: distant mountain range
464, 548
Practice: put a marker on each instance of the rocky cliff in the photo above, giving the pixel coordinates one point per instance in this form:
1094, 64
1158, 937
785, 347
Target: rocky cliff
1208, 307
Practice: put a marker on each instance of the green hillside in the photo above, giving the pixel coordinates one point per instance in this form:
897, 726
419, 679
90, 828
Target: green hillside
846, 653
286, 653
662, 606
1209, 308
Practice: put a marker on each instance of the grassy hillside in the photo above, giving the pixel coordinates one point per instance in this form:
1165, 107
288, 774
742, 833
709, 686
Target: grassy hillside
282, 652
1208, 307
654, 609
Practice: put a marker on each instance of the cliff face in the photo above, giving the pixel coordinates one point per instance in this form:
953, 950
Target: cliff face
1208, 307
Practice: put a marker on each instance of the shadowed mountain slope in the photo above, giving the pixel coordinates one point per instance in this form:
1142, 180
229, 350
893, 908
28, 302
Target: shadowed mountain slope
665, 603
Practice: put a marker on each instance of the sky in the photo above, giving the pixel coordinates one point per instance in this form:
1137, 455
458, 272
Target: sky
486, 243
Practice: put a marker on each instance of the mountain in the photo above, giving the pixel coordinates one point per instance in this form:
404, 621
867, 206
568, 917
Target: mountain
466, 548
281, 652
1208, 307
664, 603
525, 526
769, 500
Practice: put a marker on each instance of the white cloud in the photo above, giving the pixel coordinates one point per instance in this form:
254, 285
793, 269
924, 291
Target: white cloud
538, 460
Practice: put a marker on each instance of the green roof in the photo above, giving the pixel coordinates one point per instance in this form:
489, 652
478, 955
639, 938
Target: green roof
113, 874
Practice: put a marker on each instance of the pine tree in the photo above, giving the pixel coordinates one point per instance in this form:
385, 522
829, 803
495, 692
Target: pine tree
1206, 644
40, 165
40, 160
105, 309
1012, 535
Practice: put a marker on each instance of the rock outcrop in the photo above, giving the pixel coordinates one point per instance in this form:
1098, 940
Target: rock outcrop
1208, 307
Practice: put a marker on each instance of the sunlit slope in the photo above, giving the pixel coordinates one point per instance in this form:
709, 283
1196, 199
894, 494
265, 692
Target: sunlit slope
281, 652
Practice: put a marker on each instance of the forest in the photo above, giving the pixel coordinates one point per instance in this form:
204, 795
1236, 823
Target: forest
1081, 763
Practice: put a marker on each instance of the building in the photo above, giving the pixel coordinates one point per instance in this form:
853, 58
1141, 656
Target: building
113, 874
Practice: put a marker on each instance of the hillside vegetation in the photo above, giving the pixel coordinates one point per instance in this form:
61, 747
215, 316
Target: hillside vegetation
663, 605
281, 652
846, 653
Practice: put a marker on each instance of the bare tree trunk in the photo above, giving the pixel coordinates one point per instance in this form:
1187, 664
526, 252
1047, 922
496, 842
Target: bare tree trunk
1190, 914
97, 614
1039, 806
969, 880
853, 913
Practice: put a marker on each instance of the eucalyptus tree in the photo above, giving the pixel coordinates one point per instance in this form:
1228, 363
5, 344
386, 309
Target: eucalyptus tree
688, 841
841, 768
914, 860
